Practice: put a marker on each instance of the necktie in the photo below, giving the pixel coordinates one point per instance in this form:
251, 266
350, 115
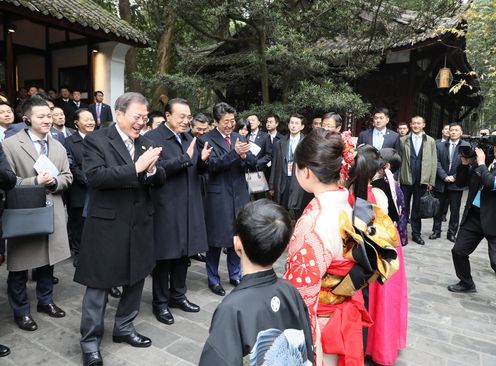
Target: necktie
98, 111
130, 147
228, 142
43, 149
252, 137
451, 153
291, 149
77, 105
178, 138
379, 139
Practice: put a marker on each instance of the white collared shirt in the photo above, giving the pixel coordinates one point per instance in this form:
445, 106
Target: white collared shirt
83, 135
35, 138
2, 133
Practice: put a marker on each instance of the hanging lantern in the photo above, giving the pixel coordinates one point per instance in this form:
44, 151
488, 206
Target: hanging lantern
444, 78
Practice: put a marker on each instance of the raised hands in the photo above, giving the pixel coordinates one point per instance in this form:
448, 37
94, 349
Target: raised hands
148, 159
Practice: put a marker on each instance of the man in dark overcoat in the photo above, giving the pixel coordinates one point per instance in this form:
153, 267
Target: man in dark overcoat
227, 192
8, 180
179, 218
117, 243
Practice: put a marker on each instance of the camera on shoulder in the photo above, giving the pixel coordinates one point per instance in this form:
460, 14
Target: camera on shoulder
485, 143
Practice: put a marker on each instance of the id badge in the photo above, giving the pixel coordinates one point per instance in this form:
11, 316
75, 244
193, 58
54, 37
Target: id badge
290, 168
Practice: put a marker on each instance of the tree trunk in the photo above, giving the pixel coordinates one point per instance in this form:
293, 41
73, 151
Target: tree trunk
264, 72
163, 64
132, 83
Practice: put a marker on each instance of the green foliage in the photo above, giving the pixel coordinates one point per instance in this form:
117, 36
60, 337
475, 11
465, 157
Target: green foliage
481, 52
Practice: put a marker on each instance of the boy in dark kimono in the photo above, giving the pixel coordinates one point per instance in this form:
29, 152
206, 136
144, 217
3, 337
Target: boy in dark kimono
264, 320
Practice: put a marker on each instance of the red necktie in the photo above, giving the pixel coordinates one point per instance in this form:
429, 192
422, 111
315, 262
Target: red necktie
228, 141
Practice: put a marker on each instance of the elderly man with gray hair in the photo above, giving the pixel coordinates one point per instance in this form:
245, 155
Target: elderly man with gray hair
117, 246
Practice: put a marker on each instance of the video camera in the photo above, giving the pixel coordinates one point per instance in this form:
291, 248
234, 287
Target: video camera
485, 143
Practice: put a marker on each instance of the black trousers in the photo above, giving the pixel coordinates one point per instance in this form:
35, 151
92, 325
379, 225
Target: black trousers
470, 235
412, 196
169, 281
93, 314
17, 291
453, 200
75, 225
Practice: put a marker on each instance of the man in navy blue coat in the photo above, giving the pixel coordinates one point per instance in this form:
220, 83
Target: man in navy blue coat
179, 222
227, 192
380, 136
449, 194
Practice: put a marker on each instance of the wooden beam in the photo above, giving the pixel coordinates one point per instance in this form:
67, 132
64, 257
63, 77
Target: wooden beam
69, 44
64, 24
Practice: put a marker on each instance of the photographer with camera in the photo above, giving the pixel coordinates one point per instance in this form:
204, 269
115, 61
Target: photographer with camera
479, 217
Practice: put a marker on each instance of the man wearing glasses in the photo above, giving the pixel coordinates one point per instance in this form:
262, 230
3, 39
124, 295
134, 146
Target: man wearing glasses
117, 242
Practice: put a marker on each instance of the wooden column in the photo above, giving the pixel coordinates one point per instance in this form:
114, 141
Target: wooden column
91, 75
9, 63
48, 62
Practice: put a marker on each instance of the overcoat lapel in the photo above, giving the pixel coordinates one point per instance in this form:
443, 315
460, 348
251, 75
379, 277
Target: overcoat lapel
119, 146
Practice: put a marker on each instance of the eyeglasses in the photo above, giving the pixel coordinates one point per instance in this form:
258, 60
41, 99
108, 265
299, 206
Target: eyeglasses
138, 117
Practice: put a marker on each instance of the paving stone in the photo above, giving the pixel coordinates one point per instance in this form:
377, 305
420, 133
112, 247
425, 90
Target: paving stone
445, 329
474, 344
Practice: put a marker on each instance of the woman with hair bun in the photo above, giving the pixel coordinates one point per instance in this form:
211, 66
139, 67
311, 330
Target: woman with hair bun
316, 249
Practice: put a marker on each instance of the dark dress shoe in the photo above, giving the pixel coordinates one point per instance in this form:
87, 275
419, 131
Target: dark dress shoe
185, 305
235, 282
459, 287
4, 351
2, 258
52, 310
26, 323
418, 239
434, 236
451, 238
199, 257
115, 292
134, 339
163, 316
55, 280
92, 359
217, 289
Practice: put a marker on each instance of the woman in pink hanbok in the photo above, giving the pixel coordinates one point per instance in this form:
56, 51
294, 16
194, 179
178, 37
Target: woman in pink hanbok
387, 303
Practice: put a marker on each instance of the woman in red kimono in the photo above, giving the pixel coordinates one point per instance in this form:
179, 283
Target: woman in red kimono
316, 248
387, 304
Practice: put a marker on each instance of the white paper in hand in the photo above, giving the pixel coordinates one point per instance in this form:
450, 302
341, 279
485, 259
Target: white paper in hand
254, 148
43, 164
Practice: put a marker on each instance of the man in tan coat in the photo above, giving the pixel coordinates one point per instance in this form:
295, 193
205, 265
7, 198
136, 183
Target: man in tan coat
40, 252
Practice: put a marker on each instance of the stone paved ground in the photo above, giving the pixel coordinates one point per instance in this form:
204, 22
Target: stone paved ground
444, 328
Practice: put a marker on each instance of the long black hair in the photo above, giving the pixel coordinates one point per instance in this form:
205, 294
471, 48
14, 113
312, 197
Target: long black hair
367, 163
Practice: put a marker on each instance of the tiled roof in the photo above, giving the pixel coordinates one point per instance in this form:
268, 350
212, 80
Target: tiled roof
85, 13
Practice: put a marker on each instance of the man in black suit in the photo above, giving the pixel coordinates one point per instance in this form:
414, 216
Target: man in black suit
179, 220
227, 192
101, 111
332, 121
58, 122
284, 186
8, 180
272, 124
449, 194
445, 134
380, 136
479, 217
117, 243
262, 140
72, 106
